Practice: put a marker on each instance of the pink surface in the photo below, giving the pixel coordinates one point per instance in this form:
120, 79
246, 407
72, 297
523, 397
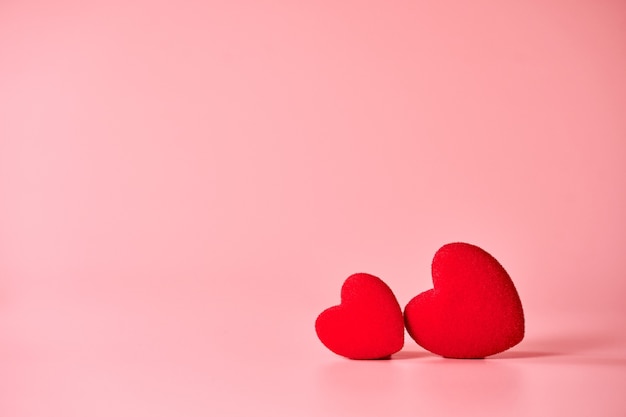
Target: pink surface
184, 187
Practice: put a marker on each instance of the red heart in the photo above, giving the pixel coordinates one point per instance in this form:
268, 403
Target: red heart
368, 323
473, 311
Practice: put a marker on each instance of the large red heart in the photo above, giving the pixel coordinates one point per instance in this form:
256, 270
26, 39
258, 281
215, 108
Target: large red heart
473, 310
368, 324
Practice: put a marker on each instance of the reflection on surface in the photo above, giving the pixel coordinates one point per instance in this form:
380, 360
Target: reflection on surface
425, 384
347, 387
469, 387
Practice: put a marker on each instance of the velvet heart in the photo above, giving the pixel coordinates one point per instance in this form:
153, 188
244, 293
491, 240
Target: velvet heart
473, 310
368, 324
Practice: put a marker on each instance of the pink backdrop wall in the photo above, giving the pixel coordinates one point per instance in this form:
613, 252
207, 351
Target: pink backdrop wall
184, 181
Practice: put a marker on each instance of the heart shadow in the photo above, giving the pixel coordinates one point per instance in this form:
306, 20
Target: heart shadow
410, 354
523, 354
562, 345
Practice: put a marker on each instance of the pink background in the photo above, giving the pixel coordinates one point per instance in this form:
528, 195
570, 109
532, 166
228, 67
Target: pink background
185, 185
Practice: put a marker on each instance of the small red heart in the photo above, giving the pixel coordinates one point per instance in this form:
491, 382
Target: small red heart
368, 324
473, 310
